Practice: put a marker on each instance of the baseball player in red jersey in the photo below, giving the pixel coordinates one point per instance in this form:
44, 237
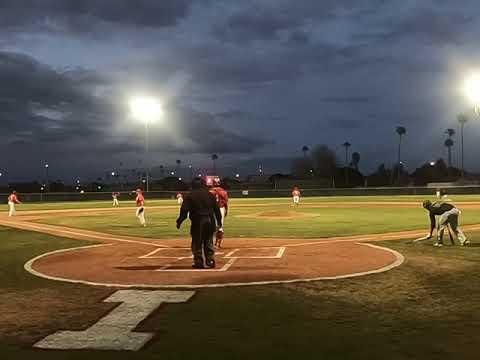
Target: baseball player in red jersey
140, 213
115, 196
179, 199
222, 200
296, 196
12, 201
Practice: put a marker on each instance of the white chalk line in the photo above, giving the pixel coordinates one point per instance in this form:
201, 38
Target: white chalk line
399, 259
49, 228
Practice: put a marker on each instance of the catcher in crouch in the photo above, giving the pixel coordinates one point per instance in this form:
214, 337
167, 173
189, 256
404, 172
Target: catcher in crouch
448, 216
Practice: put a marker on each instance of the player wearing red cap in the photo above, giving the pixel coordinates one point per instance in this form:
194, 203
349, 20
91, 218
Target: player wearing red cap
140, 213
179, 197
222, 200
296, 196
12, 201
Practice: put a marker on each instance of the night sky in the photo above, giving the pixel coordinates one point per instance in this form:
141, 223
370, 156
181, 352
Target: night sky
252, 81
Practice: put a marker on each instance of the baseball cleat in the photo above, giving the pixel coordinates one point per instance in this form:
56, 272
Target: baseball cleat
437, 244
465, 242
211, 264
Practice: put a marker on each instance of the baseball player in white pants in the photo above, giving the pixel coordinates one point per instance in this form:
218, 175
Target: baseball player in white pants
12, 201
140, 212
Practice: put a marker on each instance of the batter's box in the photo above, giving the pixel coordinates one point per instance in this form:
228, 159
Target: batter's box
275, 252
181, 265
170, 253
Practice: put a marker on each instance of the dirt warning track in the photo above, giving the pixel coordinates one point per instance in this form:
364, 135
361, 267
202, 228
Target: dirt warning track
122, 261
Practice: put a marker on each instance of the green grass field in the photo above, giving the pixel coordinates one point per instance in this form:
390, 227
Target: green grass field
268, 218
428, 308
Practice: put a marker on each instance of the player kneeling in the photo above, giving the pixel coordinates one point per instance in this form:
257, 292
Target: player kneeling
448, 216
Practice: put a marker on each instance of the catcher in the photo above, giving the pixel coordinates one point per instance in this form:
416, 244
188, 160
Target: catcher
221, 196
448, 217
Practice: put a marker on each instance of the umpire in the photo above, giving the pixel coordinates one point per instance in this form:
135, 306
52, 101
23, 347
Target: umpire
201, 207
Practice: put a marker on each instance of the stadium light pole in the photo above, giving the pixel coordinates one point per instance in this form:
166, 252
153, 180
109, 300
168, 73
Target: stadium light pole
471, 89
46, 177
146, 109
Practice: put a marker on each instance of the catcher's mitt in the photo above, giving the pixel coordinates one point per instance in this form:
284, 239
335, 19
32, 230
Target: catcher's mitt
219, 238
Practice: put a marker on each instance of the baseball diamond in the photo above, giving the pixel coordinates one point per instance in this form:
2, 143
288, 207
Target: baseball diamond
323, 246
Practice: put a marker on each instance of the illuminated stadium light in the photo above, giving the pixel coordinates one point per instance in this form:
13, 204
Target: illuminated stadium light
472, 90
145, 108
237, 175
432, 163
113, 173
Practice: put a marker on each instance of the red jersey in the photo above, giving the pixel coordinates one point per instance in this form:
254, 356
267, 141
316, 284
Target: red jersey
140, 200
296, 193
13, 198
221, 195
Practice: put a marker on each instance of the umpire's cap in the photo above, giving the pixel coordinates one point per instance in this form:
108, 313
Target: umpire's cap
198, 183
426, 204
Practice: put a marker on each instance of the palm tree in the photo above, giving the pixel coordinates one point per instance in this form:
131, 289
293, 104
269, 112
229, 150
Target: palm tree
214, 159
450, 132
400, 131
355, 160
305, 150
449, 143
462, 119
346, 144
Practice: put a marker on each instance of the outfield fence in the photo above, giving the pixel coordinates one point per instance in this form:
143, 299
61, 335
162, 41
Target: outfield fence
252, 193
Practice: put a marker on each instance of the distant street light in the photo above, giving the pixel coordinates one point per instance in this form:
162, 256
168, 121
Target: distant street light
146, 109
432, 163
237, 175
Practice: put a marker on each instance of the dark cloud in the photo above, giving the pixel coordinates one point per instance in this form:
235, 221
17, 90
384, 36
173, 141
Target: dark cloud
56, 115
255, 25
229, 72
81, 16
345, 100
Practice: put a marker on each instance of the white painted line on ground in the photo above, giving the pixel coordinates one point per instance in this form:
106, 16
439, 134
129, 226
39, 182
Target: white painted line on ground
115, 330
223, 268
231, 253
279, 254
151, 254
49, 228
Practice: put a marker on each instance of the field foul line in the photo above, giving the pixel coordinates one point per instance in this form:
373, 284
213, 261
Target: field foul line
59, 231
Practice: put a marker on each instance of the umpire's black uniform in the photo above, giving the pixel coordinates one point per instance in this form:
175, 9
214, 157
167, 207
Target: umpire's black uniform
201, 206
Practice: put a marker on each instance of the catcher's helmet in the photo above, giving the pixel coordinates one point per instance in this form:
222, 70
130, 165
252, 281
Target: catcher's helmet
426, 204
